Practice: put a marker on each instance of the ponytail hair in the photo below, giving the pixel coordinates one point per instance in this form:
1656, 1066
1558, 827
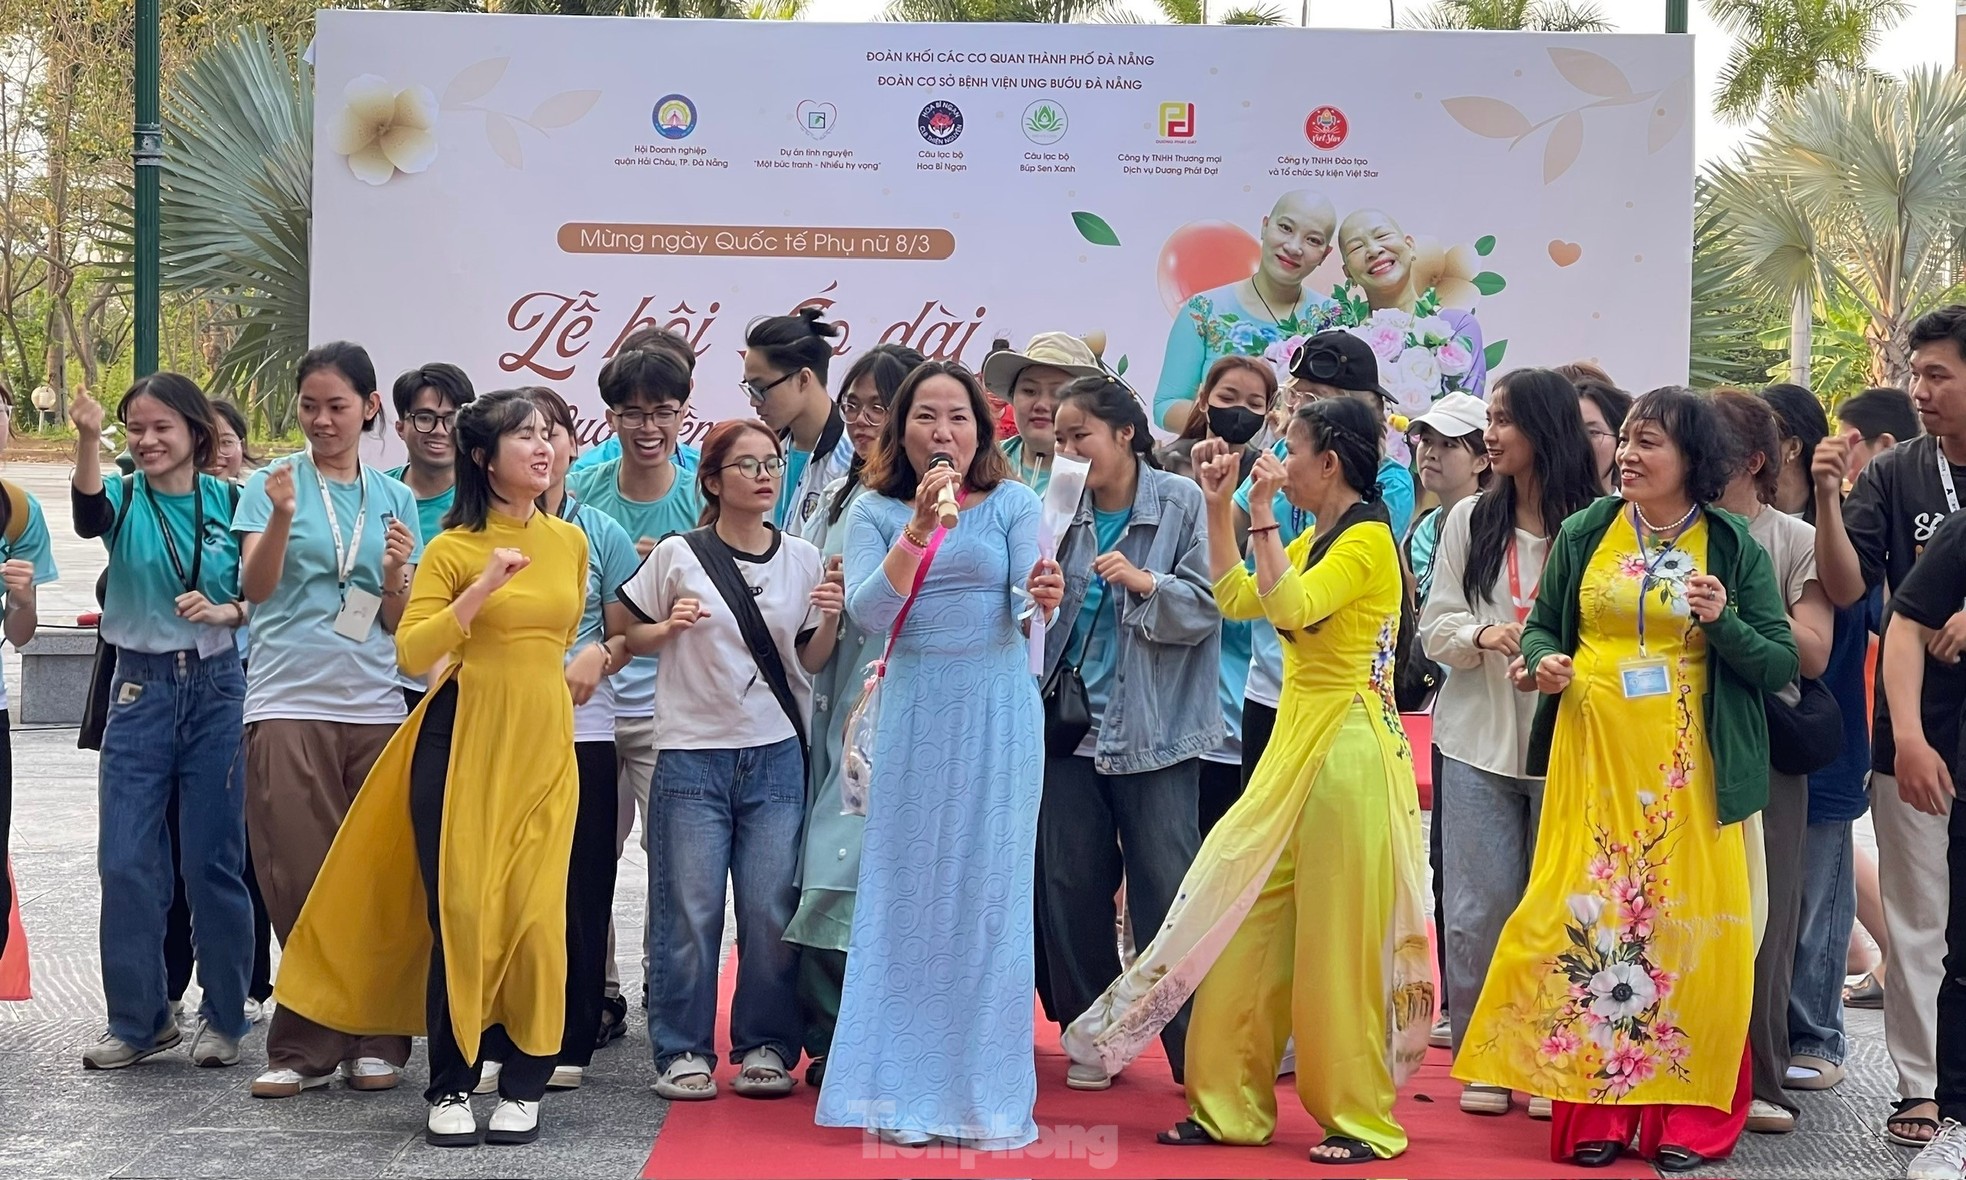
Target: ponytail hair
480, 424
1109, 400
793, 342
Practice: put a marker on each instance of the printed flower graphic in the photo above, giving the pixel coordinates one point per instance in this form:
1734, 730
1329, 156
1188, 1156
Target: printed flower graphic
384, 131
1621, 991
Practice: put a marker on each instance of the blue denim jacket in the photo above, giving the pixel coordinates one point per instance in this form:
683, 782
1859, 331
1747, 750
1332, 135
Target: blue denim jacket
1164, 707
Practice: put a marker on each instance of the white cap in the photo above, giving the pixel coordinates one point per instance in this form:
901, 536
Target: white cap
1454, 415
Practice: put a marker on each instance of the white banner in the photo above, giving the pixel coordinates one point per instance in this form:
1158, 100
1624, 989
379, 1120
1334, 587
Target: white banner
517, 194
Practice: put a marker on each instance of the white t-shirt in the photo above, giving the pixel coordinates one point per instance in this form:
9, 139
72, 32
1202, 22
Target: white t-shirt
709, 692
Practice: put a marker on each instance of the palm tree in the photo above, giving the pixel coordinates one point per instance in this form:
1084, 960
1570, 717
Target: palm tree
1786, 46
1535, 16
1040, 12
236, 200
1728, 319
1195, 12
1855, 190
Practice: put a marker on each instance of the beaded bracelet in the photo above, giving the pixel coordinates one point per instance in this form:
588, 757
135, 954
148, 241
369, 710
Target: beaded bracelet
911, 546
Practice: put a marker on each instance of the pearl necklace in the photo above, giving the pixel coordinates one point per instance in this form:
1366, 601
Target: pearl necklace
1658, 531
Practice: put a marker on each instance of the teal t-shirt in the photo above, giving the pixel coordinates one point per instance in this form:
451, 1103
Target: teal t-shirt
609, 449
297, 668
1265, 683
34, 548
139, 611
429, 513
1037, 477
599, 487
1095, 631
611, 560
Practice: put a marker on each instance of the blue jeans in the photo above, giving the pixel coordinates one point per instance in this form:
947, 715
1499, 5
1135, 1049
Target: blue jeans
1829, 914
174, 725
718, 814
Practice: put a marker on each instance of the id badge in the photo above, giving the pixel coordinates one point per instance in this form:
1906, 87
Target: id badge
1644, 678
358, 608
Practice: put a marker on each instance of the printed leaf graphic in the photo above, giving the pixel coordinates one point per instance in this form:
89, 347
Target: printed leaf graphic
474, 82
1590, 73
1668, 115
1044, 120
1492, 355
1119, 370
1484, 246
1093, 228
1489, 283
1565, 142
562, 110
504, 139
1490, 117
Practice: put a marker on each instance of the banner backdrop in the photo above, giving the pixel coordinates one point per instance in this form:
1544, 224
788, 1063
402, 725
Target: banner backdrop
517, 194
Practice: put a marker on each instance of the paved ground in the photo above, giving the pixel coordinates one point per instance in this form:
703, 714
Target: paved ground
166, 1118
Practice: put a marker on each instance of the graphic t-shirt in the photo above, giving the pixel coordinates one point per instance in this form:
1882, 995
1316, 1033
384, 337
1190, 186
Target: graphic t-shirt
1931, 594
1898, 504
297, 667
710, 694
676, 512
140, 608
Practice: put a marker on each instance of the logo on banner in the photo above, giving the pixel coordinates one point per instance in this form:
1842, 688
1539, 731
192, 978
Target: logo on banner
1326, 128
941, 123
817, 118
1045, 122
1177, 120
675, 116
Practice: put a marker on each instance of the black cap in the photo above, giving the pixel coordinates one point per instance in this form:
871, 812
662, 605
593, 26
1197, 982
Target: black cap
1340, 360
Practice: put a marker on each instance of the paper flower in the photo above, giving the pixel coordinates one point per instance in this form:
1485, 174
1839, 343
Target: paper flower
384, 131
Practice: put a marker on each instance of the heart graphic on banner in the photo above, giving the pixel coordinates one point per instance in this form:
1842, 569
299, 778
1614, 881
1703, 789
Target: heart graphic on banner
1565, 253
817, 118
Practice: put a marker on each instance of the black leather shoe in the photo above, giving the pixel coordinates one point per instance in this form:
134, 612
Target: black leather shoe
1679, 1159
1597, 1155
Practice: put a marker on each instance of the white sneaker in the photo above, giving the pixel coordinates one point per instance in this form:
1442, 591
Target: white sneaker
1087, 1077
451, 1123
566, 1077
111, 1053
1944, 1158
488, 1077
258, 1011
1766, 1118
1486, 1099
1288, 1065
513, 1122
212, 1048
1442, 1036
286, 1083
369, 1074
1541, 1109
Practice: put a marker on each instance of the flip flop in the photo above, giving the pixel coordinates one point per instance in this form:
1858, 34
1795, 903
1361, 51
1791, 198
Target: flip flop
1357, 1151
1865, 993
1828, 1073
1186, 1133
1899, 1117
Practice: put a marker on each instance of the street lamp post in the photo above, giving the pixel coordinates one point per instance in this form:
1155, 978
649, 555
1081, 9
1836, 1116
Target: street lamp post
1675, 16
148, 157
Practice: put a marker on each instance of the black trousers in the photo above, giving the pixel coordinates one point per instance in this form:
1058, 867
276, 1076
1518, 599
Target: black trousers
1952, 986
1785, 834
178, 955
6, 821
822, 979
524, 1077
590, 899
1095, 830
1438, 861
1259, 721
1221, 786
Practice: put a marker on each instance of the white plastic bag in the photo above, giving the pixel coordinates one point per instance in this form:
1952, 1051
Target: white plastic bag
857, 752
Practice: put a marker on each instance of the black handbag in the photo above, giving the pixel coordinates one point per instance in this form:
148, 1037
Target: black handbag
1067, 708
1416, 678
102, 674
1806, 736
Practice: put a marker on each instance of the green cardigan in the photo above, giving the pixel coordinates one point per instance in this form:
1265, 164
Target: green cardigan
1751, 637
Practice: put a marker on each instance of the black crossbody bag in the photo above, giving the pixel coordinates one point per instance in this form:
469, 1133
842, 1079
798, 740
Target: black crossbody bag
102, 673
714, 556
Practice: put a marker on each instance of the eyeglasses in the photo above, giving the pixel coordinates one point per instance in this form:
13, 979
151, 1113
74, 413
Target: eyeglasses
635, 419
875, 412
757, 392
1599, 434
427, 421
751, 468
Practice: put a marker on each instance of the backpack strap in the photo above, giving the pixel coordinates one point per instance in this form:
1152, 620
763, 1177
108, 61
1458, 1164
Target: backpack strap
17, 511
714, 556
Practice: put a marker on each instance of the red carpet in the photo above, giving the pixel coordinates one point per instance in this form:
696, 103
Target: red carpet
1087, 1135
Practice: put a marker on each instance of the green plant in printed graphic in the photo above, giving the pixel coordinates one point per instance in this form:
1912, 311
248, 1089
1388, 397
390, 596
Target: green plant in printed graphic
1045, 119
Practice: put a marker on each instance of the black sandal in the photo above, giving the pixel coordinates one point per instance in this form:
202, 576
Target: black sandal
1900, 1118
1599, 1154
1679, 1159
1357, 1151
1186, 1133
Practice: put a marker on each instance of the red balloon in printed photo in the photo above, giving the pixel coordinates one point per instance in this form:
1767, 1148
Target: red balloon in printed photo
1201, 256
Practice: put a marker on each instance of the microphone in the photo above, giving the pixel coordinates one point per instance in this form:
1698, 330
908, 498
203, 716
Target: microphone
945, 500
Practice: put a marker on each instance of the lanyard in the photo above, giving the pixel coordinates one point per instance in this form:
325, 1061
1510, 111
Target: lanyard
1652, 566
1523, 604
1945, 479
568, 506
344, 559
197, 535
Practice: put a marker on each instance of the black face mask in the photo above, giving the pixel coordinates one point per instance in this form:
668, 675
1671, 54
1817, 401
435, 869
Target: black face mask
1234, 424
